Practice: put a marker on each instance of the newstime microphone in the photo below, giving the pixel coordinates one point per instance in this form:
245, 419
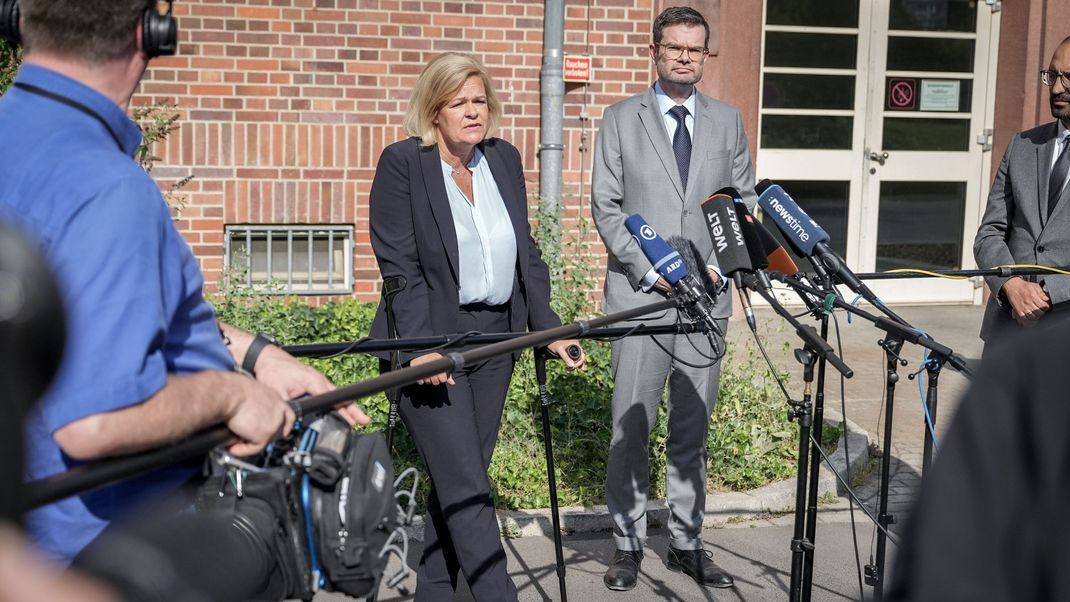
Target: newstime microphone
722, 221
807, 238
670, 265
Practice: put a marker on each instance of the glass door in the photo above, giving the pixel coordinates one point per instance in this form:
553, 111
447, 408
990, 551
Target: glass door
870, 118
923, 188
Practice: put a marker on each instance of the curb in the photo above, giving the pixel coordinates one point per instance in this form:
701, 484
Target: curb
721, 508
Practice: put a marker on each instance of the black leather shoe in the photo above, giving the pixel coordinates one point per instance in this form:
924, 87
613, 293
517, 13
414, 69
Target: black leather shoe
698, 564
623, 572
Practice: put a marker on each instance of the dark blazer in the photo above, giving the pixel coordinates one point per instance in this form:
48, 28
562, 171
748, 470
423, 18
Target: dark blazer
413, 236
1016, 229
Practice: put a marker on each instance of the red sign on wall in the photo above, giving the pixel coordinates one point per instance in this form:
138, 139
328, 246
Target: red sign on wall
577, 68
902, 94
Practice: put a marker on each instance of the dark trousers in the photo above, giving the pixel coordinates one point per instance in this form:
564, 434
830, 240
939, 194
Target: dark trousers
455, 428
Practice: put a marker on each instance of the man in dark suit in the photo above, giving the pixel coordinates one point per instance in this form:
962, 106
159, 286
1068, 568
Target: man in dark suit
1027, 220
646, 163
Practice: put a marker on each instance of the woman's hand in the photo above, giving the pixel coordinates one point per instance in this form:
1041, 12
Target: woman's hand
560, 349
437, 379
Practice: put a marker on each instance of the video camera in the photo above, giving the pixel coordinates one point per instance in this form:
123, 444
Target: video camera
318, 510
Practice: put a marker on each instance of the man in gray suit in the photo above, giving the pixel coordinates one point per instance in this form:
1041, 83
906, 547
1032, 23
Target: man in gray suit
645, 162
1027, 220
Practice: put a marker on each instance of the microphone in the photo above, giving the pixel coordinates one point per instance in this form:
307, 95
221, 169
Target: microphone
776, 255
762, 245
807, 238
758, 257
729, 245
670, 265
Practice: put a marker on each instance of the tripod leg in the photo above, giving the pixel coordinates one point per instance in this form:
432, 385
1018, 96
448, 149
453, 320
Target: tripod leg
548, 445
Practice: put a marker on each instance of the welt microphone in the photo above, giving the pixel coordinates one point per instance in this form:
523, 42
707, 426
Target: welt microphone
807, 238
670, 265
729, 246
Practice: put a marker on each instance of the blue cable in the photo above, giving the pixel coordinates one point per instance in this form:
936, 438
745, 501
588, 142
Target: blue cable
921, 393
308, 440
854, 303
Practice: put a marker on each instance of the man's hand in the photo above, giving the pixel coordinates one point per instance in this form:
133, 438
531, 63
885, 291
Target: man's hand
715, 278
438, 379
1028, 301
290, 378
560, 349
663, 286
257, 414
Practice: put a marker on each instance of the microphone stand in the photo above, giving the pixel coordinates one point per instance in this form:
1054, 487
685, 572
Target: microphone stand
815, 453
897, 334
815, 347
391, 287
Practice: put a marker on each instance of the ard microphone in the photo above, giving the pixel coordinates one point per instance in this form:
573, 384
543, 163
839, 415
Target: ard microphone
722, 221
806, 237
670, 265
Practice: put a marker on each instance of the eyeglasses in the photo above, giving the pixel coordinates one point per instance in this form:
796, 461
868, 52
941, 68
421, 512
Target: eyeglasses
674, 52
1048, 77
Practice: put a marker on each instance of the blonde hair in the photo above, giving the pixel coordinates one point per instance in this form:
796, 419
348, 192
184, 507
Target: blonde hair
438, 83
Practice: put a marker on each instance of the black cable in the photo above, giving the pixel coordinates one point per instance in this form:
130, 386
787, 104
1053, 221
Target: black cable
716, 357
847, 457
623, 336
772, 369
348, 349
850, 491
454, 341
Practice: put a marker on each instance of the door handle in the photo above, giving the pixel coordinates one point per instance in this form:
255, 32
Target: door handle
878, 157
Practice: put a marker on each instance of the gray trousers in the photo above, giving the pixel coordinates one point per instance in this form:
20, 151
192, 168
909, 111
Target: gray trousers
640, 371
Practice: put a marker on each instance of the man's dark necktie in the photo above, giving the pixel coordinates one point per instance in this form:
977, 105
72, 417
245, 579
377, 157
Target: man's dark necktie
681, 143
1058, 176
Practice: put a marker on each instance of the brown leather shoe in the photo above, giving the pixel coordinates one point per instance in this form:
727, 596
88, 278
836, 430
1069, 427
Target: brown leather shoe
698, 564
623, 571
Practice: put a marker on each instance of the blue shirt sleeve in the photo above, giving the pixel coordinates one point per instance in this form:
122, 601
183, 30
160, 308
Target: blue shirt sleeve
114, 290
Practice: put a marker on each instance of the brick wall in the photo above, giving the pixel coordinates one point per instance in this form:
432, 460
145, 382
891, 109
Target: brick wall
287, 104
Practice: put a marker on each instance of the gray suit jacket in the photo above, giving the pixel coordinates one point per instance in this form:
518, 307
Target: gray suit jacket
635, 172
1016, 228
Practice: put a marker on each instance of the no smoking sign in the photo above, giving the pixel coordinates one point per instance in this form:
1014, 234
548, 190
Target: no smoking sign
902, 94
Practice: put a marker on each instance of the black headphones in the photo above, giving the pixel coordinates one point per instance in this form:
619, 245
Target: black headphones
160, 37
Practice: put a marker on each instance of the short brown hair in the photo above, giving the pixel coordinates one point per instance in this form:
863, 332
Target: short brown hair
89, 30
438, 82
679, 15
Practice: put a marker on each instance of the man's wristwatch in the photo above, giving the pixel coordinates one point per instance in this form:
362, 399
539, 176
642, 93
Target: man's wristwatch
259, 342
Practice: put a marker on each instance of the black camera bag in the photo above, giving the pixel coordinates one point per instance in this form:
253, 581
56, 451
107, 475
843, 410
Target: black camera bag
352, 506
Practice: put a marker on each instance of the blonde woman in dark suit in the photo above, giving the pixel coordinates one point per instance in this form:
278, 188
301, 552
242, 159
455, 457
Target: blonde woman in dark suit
449, 214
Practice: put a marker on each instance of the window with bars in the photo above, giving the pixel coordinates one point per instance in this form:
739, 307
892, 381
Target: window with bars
301, 260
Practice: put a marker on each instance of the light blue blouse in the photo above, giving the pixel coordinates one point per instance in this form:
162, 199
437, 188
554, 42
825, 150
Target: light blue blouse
486, 243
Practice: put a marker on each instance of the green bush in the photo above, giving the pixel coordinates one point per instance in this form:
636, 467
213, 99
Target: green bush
10, 58
750, 441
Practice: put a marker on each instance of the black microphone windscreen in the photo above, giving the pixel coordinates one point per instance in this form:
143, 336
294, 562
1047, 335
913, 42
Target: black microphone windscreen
758, 257
760, 187
693, 262
722, 221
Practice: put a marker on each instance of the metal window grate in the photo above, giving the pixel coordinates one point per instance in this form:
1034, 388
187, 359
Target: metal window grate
284, 259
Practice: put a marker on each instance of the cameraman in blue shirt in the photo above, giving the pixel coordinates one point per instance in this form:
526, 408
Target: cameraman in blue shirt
145, 364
